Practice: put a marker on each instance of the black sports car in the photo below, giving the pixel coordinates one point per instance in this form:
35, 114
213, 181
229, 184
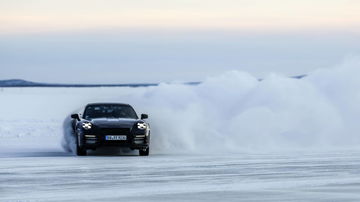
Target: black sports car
110, 124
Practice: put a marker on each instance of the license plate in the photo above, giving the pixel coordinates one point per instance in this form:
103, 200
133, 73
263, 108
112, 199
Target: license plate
115, 137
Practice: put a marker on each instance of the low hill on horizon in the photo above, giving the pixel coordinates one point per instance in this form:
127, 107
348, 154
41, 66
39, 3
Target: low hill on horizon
25, 83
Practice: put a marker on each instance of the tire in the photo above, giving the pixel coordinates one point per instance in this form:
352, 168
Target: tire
144, 152
81, 151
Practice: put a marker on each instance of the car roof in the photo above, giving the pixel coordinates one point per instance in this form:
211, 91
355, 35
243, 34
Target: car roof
107, 103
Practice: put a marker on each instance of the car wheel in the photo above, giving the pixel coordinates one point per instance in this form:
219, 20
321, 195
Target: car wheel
81, 151
144, 152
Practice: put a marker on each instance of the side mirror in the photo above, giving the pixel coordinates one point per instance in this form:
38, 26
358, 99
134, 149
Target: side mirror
144, 116
75, 116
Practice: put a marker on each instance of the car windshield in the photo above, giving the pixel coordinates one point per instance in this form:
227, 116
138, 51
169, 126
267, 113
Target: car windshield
109, 111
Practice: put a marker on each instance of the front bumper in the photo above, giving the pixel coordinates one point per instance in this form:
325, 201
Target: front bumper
93, 139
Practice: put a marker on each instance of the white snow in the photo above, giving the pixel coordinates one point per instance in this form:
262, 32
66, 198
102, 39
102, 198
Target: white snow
239, 139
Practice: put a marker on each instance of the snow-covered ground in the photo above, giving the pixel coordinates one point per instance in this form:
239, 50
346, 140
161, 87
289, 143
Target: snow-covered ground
230, 138
54, 176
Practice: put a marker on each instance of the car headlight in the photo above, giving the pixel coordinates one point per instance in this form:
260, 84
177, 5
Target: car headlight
142, 126
87, 125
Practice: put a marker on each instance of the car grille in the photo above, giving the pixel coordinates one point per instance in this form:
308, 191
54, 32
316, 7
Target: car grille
115, 131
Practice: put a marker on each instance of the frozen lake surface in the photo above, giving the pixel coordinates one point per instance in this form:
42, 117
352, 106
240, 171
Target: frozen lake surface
58, 176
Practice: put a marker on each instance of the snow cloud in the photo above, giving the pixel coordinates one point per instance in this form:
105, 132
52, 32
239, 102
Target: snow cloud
231, 112
235, 112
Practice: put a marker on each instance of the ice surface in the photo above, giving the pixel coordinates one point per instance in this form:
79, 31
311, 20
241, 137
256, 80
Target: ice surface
53, 176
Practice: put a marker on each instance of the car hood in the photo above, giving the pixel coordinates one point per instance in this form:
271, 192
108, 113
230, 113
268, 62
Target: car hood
113, 122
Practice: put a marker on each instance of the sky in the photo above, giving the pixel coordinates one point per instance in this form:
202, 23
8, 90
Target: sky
134, 41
